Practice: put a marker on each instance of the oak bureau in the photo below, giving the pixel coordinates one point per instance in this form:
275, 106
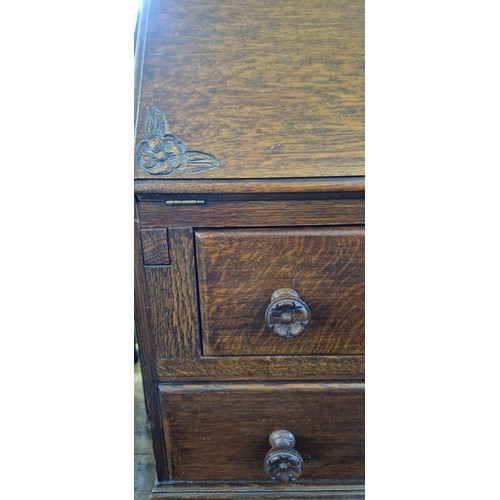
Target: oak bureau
249, 248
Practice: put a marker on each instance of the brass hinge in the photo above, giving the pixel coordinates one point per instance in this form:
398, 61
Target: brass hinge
185, 202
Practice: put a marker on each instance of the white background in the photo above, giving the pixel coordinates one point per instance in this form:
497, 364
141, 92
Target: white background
432, 138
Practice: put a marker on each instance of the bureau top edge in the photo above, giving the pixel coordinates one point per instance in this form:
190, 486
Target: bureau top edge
346, 185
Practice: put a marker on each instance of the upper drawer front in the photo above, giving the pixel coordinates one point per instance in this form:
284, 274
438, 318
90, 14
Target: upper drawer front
220, 431
239, 271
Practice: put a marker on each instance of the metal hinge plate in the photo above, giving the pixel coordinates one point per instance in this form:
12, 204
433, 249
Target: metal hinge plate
185, 202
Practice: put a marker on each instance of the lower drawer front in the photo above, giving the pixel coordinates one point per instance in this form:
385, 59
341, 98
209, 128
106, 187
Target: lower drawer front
221, 431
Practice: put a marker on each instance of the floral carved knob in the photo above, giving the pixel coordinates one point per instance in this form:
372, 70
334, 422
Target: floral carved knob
283, 462
287, 315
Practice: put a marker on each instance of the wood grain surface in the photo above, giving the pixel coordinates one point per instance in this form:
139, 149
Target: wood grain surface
342, 367
155, 247
271, 89
240, 269
173, 300
253, 213
147, 352
220, 431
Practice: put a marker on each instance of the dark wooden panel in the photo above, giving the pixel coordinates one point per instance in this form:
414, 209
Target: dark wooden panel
239, 270
262, 367
220, 431
173, 300
253, 213
155, 247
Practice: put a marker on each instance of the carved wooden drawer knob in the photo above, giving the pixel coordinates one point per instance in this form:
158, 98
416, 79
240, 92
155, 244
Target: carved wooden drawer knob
287, 315
283, 462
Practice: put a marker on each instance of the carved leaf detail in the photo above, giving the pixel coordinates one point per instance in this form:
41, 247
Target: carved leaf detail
197, 161
155, 124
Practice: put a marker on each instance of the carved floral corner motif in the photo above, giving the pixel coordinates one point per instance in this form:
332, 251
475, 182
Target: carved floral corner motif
161, 153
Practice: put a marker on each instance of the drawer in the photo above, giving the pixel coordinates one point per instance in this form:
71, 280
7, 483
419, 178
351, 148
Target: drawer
240, 271
221, 431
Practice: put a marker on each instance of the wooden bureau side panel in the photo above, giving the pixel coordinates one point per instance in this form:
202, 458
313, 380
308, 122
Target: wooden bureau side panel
220, 431
239, 270
173, 301
253, 213
147, 353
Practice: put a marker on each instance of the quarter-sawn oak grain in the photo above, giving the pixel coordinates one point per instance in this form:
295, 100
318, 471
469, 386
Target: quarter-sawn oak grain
172, 298
221, 431
147, 350
239, 270
155, 247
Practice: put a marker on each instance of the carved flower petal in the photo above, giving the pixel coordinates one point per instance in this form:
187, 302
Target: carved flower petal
163, 168
145, 156
155, 124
